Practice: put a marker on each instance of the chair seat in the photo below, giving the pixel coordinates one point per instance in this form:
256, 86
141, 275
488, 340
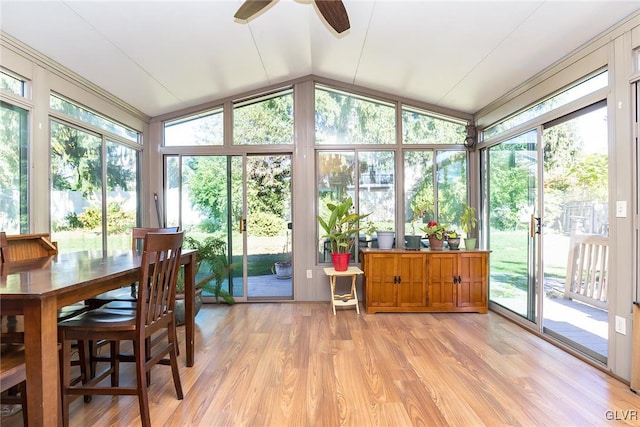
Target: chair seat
120, 305
12, 369
13, 373
127, 293
101, 318
72, 310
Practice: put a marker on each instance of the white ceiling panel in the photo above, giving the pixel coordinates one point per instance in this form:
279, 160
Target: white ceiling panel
165, 55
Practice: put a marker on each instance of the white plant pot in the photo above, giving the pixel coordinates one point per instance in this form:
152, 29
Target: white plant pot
282, 270
385, 239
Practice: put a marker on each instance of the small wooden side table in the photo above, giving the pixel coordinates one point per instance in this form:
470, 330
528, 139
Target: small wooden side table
343, 300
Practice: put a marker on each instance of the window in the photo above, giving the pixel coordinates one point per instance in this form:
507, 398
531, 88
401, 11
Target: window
94, 181
12, 84
58, 104
202, 129
419, 194
14, 139
76, 187
123, 191
343, 118
370, 175
451, 175
419, 127
266, 120
376, 187
426, 199
435, 181
577, 91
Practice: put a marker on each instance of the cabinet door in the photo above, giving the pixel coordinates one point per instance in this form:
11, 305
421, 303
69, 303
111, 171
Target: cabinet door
381, 286
472, 289
442, 291
412, 274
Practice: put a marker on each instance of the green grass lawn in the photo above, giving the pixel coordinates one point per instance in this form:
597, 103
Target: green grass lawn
508, 261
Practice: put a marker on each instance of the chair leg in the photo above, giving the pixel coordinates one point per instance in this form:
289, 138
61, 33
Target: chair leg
173, 359
141, 377
23, 399
93, 353
114, 348
86, 371
65, 371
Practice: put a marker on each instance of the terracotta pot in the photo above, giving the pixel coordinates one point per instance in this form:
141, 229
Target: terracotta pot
340, 261
435, 244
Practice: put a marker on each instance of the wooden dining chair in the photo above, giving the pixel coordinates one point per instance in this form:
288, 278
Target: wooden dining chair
13, 375
4, 248
151, 328
125, 297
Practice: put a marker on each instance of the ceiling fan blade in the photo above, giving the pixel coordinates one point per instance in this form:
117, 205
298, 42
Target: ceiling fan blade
250, 8
335, 14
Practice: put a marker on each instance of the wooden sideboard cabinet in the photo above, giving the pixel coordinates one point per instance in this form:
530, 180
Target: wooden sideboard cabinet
399, 280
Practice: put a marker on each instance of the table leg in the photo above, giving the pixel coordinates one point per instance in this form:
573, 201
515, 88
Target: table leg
41, 353
189, 307
332, 283
353, 292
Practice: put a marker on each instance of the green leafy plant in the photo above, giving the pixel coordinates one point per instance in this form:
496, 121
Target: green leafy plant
369, 228
418, 214
341, 226
433, 229
212, 252
468, 219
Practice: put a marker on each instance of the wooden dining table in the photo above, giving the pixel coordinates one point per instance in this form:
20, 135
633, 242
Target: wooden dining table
38, 288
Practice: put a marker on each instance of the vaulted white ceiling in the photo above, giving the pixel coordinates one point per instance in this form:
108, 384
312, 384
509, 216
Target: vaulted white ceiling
161, 56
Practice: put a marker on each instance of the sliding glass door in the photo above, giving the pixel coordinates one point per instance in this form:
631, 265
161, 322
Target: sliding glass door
575, 253
266, 226
244, 203
511, 195
547, 225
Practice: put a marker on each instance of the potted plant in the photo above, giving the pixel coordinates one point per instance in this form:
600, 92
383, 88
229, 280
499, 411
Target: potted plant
469, 222
282, 269
341, 228
413, 241
435, 233
211, 252
453, 239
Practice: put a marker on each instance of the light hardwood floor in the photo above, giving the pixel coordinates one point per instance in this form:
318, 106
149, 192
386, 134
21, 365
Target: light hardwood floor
295, 364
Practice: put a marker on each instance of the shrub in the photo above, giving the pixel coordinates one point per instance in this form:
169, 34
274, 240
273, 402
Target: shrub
264, 224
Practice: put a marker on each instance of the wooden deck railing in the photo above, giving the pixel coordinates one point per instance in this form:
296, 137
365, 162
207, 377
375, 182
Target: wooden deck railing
587, 273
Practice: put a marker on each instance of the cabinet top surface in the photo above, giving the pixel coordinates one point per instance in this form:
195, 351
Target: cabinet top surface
423, 250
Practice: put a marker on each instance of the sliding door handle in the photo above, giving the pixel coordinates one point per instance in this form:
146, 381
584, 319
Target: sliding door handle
535, 227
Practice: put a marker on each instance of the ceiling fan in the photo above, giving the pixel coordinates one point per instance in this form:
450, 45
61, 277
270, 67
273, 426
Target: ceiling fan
333, 12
